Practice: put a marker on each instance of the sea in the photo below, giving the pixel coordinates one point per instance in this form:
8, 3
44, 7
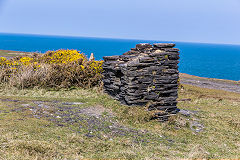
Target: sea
220, 61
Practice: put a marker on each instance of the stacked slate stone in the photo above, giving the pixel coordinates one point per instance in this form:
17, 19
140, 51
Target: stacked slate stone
145, 75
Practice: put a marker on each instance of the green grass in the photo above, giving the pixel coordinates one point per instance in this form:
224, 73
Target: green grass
7, 53
25, 137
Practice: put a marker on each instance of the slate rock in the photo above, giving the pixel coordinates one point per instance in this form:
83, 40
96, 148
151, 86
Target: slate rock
143, 46
164, 45
145, 74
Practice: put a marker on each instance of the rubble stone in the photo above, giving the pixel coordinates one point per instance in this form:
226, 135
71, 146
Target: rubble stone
147, 76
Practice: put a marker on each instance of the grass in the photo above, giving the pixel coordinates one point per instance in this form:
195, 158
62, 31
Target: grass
7, 53
187, 76
25, 137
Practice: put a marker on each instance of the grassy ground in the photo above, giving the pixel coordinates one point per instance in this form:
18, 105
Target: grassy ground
187, 76
99, 127
77, 123
6, 53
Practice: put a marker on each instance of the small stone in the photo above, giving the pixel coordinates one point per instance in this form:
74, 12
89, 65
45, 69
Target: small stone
187, 112
142, 46
25, 105
89, 135
92, 57
111, 57
71, 103
164, 45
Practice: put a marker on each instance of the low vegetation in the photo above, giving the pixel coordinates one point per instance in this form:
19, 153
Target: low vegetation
10, 54
52, 107
41, 124
54, 69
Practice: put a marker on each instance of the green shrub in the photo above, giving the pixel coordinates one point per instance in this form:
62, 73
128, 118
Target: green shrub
54, 69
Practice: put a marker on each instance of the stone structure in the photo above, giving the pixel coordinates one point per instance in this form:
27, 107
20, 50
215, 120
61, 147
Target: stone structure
145, 75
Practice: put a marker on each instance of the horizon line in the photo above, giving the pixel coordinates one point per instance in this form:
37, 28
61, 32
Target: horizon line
70, 36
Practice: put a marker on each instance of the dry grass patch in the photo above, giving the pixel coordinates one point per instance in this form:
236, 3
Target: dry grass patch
217, 111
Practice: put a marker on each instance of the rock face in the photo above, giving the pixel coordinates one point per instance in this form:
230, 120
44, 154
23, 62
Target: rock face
145, 75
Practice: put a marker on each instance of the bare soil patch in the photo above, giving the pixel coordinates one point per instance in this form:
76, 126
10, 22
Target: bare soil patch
211, 83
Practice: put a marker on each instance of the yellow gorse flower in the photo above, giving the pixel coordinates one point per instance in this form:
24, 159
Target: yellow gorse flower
96, 66
54, 57
26, 60
65, 56
3, 59
5, 62
62, 68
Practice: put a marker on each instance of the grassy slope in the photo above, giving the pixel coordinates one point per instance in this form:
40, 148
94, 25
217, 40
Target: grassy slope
24, 137
187, 76
6, 53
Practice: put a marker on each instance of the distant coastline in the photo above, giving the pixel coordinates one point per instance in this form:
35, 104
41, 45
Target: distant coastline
114, 38
9, 53
203, 82
205, 60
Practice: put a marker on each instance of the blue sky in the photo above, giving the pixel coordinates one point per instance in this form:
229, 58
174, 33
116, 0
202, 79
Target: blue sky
209, 21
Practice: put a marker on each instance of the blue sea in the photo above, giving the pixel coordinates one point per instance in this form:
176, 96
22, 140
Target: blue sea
201, 59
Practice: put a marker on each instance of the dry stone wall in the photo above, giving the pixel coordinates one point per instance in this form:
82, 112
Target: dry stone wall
145, 75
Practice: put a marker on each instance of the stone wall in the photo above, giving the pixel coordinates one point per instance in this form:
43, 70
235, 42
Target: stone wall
145, 75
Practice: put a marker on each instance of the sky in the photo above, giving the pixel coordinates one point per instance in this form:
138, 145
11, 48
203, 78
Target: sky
207, 21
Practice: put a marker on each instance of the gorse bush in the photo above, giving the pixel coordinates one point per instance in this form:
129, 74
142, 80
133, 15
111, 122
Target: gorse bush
63, 56
54, 69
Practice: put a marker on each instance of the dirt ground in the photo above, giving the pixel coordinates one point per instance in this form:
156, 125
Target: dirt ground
211, 83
